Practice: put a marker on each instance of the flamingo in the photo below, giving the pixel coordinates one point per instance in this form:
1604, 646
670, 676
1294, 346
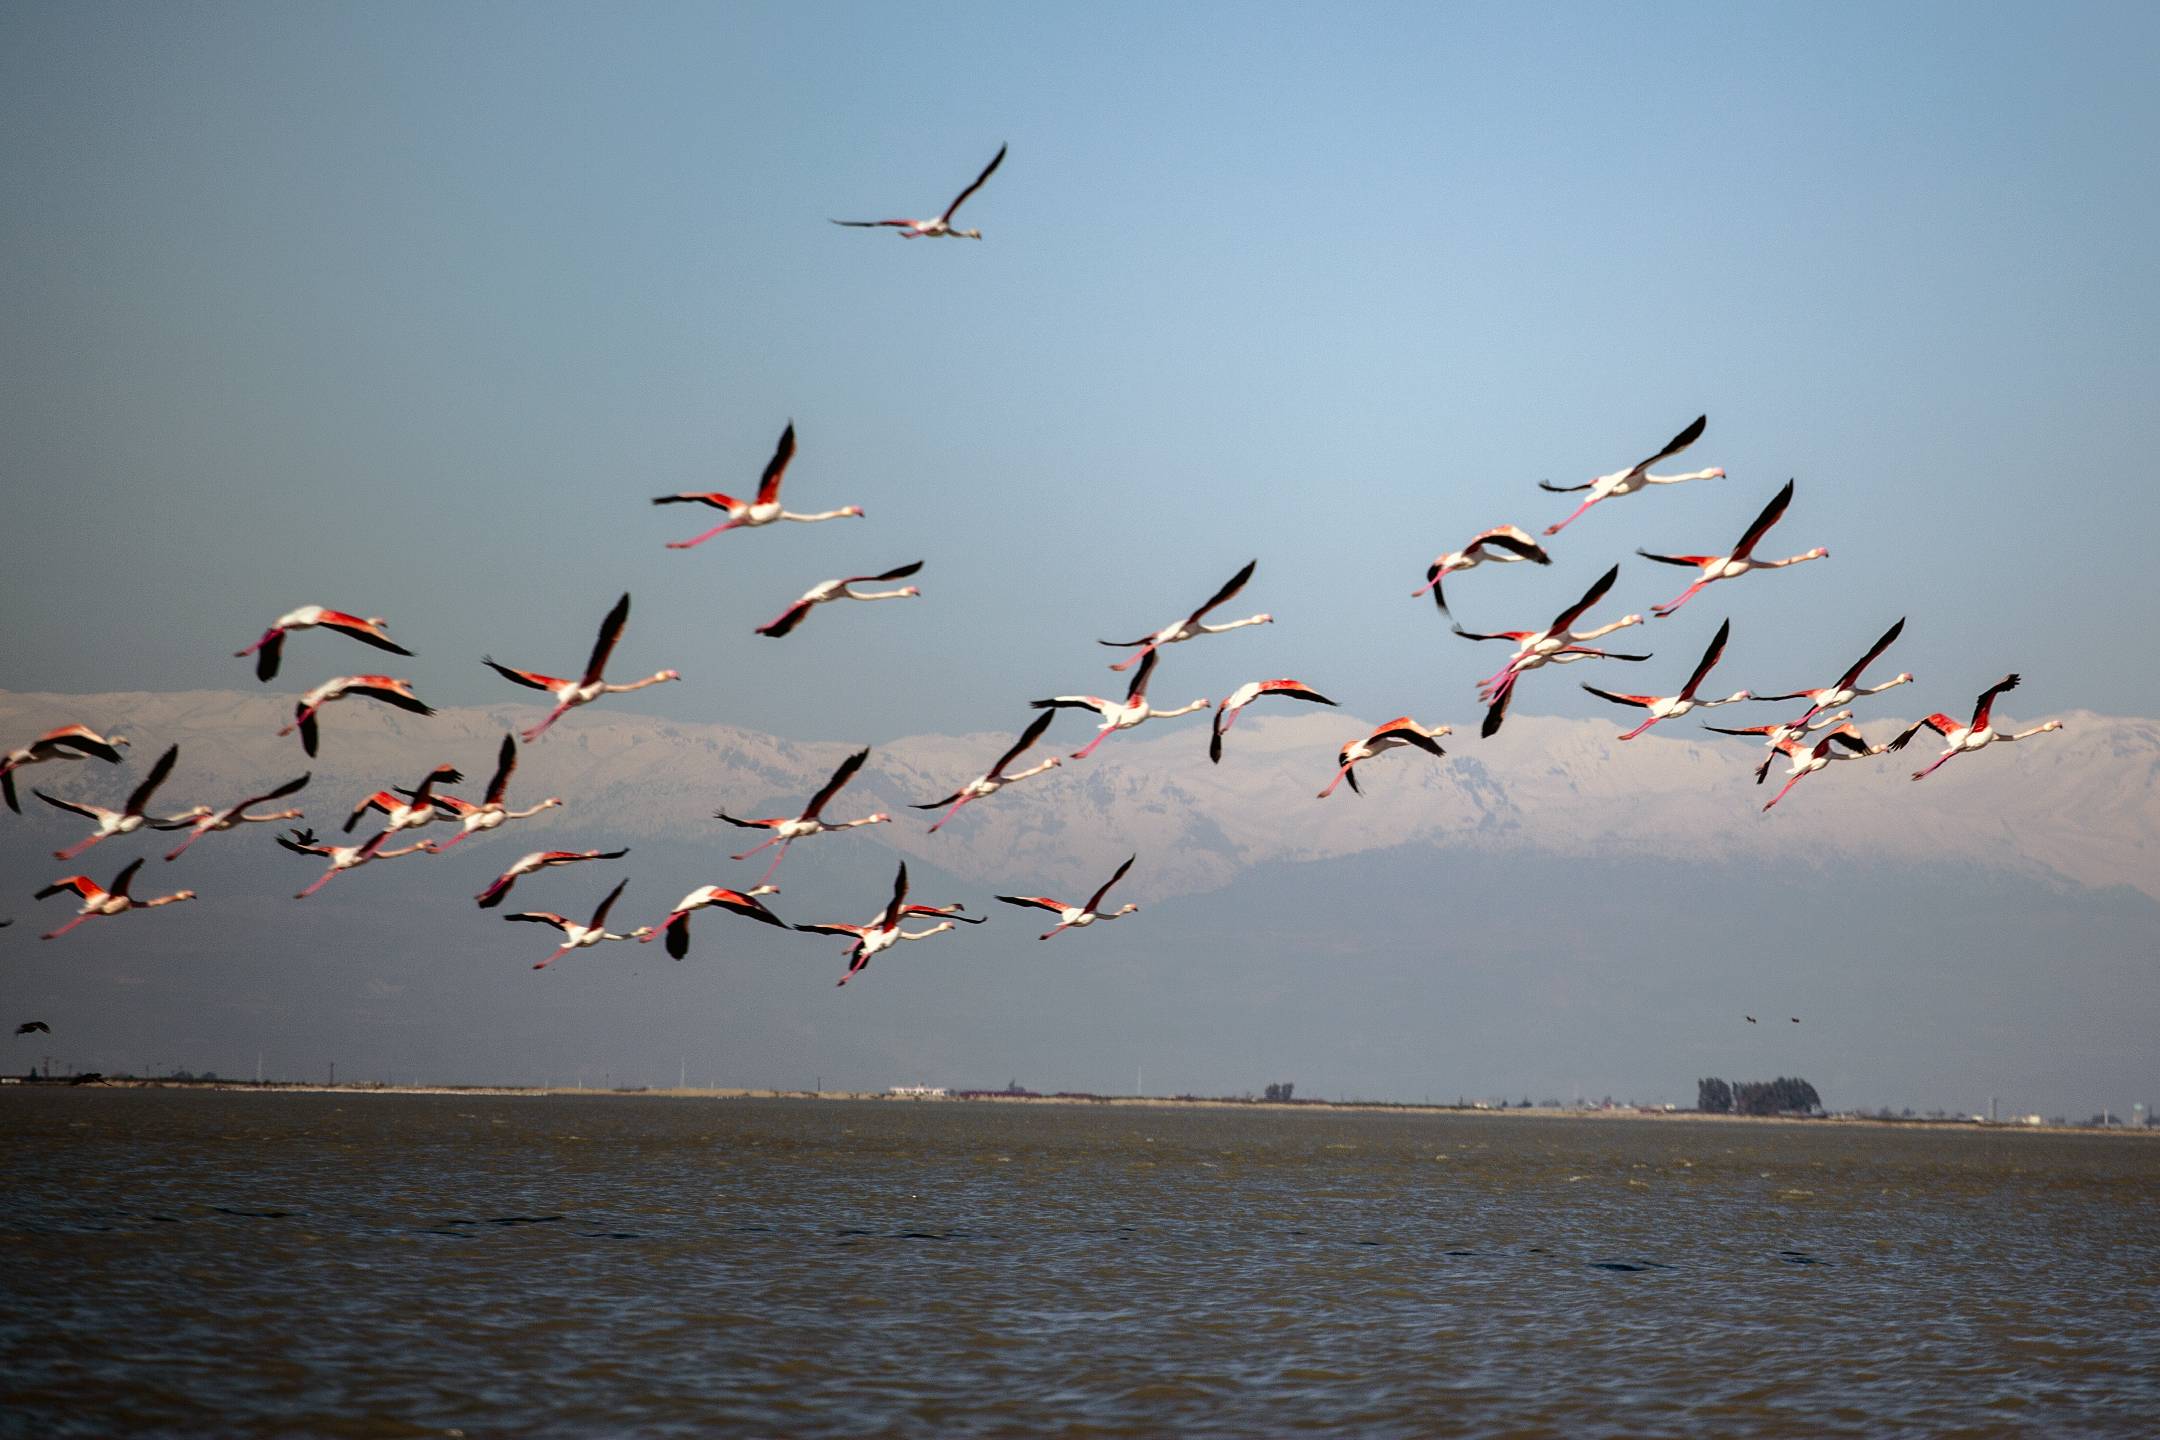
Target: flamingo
764, 510
538, 860
33, 1027
842, 589
124, 821
69, 742
1077, 917
1557, 644
344, 857
1672, 707
113, 901
1974, 735
1503, 545
1119, 715
201, 820
569, 694
742, 902
371, 630
787, 831
1776, 735
1806, 759
385, 688
491, 812
884, 932
1226, 714
409, 811
942, 225
1731, 567
1402, 730
587, 935
1635, 477
1848, 687
995, 779
1190, 626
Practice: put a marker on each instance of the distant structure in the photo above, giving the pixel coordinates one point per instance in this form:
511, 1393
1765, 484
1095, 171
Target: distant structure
918, 1092
2139, 1116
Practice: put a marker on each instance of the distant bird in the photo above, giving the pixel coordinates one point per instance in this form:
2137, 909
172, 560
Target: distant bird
385, 688
582, 937
369, 631
995, 778
841, 589
69, 742
1076, 917
1191, 625
491, 897
1226, 714
764, 510
1843, 743
344, 857
1557, 644
491, 813
1749, 1018
787, 831
1976, 734
1848, 687
742, 902
410, 810
201, 820
113, 901
942, 225
1402, 730
33, 1027
1713, 568
884, 932
1635, 477
124, 821
1775, 736
1503, 545
1672, 707
569, 694
1119, 715
1794, 1018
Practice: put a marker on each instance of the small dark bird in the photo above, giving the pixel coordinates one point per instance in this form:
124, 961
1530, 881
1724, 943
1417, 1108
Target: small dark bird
1794, 1018
1750, 1019
33, 1027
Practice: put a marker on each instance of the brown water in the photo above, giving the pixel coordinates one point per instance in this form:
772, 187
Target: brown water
262, 1264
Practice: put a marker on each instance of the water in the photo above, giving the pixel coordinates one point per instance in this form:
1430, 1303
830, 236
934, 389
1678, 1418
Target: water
328, 1265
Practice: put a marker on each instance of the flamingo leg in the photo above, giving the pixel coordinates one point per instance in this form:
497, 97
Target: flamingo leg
1556, 529
1939, 762
775, 840
268, 636
1052, 931
1661, 611
73, 850
1339, 774
452, 841
301, 719
1642, 727
1089, 749
323, 880
56, 934
950, 813
778, 856
174, 853
701, 539
1136, 657
541, 729
559, 953
1788, 786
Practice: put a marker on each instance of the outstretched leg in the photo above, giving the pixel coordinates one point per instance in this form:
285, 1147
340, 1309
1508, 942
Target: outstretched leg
950, 813
1940, 761
56, 934
1661, 611
701, 539
1100, 736
1556, 529
1136, 657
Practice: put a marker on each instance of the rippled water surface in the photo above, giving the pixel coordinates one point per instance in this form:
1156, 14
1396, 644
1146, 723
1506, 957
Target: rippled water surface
259, 1264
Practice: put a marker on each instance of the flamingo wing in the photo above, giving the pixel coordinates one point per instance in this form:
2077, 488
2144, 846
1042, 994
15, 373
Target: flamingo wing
1690, 562
83, 810
840, 777
891, 917
1987, 699
961, 199
713, 498
768, 489
541, 917
1518, 636
366, 631
1039, 902
1512, 540
787, 619
1595, 593
746, 824
1564, 489
290, 787
1618, 699
530, 679
599, 916
1677, 444
267, 655
82, 738
1230, 588
1096, 899
1293, 690
901, 573
1851, 677
1771, 514
1138, 689
82, 885
126, 877
1028, 737
140, 795
604, 644
1709, 660
506, 761
748, 907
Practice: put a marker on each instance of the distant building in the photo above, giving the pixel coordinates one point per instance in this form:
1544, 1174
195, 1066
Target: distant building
918, 1092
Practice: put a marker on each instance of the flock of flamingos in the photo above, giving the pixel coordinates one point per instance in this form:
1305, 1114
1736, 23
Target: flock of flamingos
1809, 742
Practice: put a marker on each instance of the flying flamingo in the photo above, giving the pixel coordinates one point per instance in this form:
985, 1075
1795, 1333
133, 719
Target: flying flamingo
1843, 743
538, 860
409, 811
124, 821
1190, 626
1077, 917
581, 937
742, 902
1776, 735
841, 589
884, 932
569, 694
1672, 707
491, 812
942, 225
1635, 477
115, 901
201, 820
1848, 687
995, 779
1731, 567
1975, 735
388, 690
787, 831
1556, 644
749, 514
1402, 730
371, 630
1226, 715
344, 857
1503, 545
69, 742
1119, 715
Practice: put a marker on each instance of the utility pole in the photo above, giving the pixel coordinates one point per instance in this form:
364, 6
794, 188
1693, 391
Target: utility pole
682, 1075
333, 1074
258, 1067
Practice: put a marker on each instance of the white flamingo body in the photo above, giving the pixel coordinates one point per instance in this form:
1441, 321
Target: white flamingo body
1502, 545
941, 226
996, 778
492, 812
1842, 743
584, 936
534, 862
1975, 734
124, 821
97, 901
1671, 707
1192, 625
344, 857
1077, 917
1396, 733
764, 509
569, 694
1847, 688
742, 902
1636, 476
884, 932
387, 689
1712, 568
368, 629
1118, 715
786, 830
408, 811
69, 742
1557, 644
826, 591
1227, 713
202, 820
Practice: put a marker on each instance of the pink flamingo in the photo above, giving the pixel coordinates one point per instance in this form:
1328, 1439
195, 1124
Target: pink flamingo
1402, 730
742, 902
1226, 714
115, 901
1635, 477
344, 857
1191, 625
1976, 734
1848, 688
1776, 735
587, 935
826, 590
764, 510
1672, 707
388, 690
1806, 759
1119, 715
1077, 917
1557, 644
124, 821
410, 810
69, 742
369, 630
1503, 544
884, 932
995, 779
201, 820
1730, 567
942, 225
538, 860
569, 694
491, 813
787, 831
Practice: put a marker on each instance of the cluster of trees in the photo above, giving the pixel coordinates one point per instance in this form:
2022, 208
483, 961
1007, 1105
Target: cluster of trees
1782, 1096
1278, 1092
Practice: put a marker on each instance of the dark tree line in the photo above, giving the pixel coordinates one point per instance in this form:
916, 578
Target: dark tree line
1279, 1092
1781, 1096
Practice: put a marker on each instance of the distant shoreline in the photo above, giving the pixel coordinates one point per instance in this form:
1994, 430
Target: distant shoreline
1378, 1107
